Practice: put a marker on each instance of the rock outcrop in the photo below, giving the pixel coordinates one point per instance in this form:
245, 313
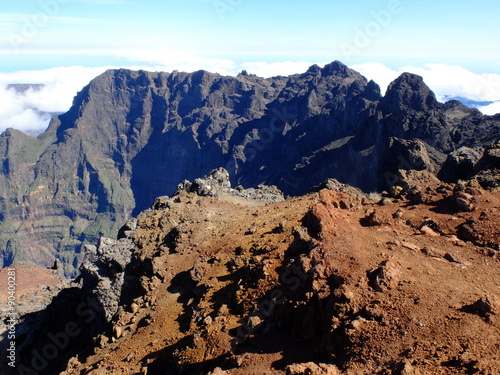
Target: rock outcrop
132, 136
103, 272
217, 184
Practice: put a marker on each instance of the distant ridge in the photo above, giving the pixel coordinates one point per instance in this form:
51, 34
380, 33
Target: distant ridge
23, 87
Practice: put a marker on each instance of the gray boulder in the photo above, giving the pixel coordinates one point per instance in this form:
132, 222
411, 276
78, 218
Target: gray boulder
103, 272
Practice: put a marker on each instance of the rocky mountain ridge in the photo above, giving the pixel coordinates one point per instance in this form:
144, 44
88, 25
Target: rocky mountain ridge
132, 136
217, 281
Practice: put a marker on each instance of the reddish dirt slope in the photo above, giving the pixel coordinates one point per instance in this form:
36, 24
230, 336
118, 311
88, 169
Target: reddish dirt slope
328, 283
29, 279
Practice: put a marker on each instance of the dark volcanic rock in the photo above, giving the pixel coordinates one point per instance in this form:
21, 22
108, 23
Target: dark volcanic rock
480, 163
132, 136
459, 164
103, 272
217, 184
79, 312
407, 155
412, 111
487, 169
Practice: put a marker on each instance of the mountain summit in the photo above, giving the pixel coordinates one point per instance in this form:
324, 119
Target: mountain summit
131, 136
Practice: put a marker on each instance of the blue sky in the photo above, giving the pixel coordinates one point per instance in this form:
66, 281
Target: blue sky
380, 38
97, 32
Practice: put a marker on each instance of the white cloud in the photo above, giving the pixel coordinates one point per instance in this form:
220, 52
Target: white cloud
169, 60
14, 113
29, 110
491, 109
378, 72
458, 81
444, 80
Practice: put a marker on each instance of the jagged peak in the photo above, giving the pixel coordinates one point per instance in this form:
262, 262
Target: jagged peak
201, 77
374, 86
413, 80
337, 68
455, 104
410, 90
114, 73
143, 77
409, 82
11, 132
314, 69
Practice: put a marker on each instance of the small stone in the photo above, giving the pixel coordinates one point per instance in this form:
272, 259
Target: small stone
312, 368
135, 308
410, 246
103, 340
281, 227
385, 277
428, 231
254, 321
224, 310
451, 258
394, 243
118, 331
485, 306
374, 312
357, 323
465, 201
408, 369
396, 191
398, 214
197, 272
374, 219
432, 252
385, 202
218, 371
236, 361
252, 230
456, 241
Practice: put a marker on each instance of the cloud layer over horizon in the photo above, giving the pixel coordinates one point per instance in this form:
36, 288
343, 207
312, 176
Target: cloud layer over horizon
29, 111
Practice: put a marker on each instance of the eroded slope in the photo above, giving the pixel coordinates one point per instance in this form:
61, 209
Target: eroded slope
328, 283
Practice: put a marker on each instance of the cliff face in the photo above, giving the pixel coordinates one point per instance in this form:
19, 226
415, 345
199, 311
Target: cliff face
132, 136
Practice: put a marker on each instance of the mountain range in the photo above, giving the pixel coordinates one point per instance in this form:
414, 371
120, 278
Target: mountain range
131, 136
